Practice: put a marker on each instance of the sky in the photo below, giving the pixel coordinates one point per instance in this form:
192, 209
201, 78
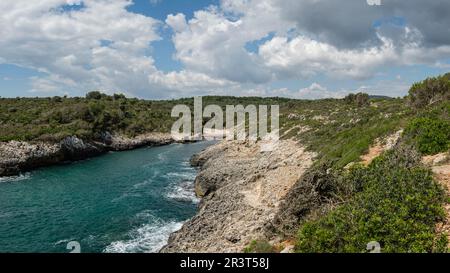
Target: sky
161, 49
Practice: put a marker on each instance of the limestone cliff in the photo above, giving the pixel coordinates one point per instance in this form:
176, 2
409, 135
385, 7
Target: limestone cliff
16, 156
242, 187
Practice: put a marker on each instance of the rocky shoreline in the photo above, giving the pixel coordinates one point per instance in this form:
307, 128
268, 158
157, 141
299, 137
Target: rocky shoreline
242, 186
17, 157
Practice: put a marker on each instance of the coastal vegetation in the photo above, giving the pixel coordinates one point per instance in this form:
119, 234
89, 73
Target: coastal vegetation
341, 203
394, 201
53, 119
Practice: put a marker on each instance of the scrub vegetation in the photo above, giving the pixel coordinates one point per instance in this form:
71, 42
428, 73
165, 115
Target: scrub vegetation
394, 200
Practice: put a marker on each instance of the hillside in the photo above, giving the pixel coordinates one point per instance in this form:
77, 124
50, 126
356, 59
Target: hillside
358, 176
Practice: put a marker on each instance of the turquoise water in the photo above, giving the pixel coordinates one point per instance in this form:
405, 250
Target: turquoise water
120, 202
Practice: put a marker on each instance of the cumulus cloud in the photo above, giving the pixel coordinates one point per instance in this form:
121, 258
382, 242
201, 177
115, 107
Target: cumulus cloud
304, 57
212, 43
340, 39
88, 45
354, 23
316, 91
65, 40
235, 47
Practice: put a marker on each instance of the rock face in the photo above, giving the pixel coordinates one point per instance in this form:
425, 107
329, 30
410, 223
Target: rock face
16, 157
20, 156
242, 188
120, 143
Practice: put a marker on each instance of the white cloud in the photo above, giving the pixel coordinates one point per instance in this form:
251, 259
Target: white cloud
190, 82
67, 45
390, 88
177, 22
101, 45
97, 46
305, 57
214, 41
316, 91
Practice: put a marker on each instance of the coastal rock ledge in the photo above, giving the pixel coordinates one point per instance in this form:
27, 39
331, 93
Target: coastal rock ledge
242, 186
17, 156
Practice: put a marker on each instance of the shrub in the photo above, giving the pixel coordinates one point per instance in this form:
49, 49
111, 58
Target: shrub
431, 136
119, 96
94, 95
319, 186
430, 91
398, 207
360, 99
57, 99
259, 246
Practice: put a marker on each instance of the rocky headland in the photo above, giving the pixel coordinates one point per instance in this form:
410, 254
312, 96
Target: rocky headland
17, 156
242, 186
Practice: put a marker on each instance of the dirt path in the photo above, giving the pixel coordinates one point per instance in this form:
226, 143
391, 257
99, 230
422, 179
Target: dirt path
380, 146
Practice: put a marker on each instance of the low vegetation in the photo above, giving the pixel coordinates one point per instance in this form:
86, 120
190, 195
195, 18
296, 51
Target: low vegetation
394, 201
337, 208
430, 91
339, 131
430, 131
52, 119
260, 246
398, 204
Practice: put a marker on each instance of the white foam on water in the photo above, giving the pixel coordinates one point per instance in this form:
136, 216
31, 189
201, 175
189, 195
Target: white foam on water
162, 157
64, 241
183, 191
182, 175
126, 195
186, 164
9, 179
149, 238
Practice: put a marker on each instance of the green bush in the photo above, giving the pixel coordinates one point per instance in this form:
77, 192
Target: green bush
430, 91
94, 95
398, 206
360, 99
259, 246
431, 136
49, 119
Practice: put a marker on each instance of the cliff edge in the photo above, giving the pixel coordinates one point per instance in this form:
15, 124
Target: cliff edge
242, 186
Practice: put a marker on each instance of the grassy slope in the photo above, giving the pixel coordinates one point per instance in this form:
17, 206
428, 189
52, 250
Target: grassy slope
394, 201
51, 119
342, 132
339, 131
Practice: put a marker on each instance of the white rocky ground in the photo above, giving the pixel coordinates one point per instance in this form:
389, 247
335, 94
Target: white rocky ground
16, 156
242, 185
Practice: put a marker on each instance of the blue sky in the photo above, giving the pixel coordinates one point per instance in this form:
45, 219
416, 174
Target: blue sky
159, 9
179, 48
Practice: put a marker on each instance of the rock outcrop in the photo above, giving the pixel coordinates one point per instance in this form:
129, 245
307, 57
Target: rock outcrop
242, 188
17, 157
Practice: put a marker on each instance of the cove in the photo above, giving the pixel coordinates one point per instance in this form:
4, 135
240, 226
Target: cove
120, 202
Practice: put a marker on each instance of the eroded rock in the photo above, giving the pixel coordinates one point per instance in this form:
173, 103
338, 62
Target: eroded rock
242, 188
